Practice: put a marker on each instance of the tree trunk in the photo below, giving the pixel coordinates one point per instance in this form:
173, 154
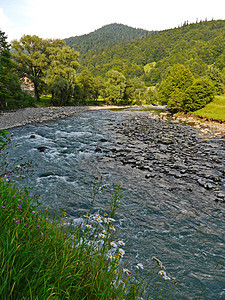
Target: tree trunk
36, 92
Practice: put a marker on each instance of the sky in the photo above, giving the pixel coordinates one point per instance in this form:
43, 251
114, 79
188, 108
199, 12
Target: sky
66, 18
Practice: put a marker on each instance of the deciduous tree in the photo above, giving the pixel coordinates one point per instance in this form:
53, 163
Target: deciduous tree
178, 78
31, 55
115, 87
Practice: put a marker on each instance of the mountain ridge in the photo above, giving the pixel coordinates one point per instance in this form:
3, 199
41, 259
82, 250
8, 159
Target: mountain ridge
107, 35
196, 45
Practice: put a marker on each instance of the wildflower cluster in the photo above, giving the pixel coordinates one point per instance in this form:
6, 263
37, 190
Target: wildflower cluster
98, 232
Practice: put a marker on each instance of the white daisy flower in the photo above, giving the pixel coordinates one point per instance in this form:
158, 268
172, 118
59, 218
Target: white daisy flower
112, 227
113, 244
127, 271
121, 243
139, 266
101, 235
162, 273
121, 252
109, 255
88, 226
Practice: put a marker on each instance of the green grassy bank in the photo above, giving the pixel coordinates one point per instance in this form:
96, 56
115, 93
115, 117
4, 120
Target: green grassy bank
213, 110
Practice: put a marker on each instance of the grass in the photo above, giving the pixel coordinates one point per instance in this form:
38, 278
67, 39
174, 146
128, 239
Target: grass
214, 110
43, 258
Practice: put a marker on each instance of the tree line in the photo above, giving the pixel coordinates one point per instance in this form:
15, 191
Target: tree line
196, 45
52, 67
176, 77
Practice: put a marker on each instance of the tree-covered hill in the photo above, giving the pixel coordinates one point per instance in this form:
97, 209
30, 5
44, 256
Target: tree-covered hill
196, 45
108, 35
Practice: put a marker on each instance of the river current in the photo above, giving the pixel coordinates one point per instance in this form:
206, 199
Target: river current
186, 234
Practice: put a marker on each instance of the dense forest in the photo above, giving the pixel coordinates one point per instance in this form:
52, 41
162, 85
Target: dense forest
183, 67
108, 35
194, 45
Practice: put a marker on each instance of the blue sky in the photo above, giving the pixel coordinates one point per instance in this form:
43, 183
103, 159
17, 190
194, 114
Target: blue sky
65, 18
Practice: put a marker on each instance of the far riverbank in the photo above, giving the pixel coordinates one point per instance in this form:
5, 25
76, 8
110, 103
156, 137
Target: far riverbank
23, 116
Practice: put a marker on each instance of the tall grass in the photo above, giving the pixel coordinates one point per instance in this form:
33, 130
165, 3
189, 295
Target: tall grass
45, 258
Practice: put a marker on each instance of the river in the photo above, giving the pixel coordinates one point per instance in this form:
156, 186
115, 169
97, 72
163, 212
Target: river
182, 228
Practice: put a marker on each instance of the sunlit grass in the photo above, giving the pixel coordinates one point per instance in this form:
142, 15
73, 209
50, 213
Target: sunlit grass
214, 110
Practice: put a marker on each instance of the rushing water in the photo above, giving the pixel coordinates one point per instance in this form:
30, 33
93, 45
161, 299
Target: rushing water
186, 235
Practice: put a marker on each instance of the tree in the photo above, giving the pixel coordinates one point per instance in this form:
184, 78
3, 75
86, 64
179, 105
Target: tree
5, 70
88, 86
176, 101
11, 95
31, 55
62, 73
200, 93
115, 86
178, 77
217, 78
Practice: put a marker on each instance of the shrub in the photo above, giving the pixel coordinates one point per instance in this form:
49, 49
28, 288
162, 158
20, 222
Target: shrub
200, 93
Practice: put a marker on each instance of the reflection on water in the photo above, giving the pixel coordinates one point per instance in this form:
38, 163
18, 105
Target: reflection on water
186, 233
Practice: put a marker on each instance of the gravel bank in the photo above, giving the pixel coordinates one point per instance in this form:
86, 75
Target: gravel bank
21, 117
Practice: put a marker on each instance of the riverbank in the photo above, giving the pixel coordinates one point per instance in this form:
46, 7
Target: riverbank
203, 124
21, 117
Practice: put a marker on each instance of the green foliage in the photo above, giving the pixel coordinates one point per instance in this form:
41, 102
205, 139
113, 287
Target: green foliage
176, 100
200, 93
193, 45
5, 70
108, 35
3, 139
31, 55
217, 78
61, 91
115, 87
88, 87
178, 77
11, 95
62, 74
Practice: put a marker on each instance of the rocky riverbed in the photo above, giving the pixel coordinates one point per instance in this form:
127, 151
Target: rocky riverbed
184, 158
21, 117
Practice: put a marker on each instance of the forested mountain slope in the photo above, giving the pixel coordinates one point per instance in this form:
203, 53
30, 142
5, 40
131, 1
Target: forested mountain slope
108, 35
196, 45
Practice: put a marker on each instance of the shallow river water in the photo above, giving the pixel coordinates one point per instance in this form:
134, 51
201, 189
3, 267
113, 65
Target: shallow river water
187, 234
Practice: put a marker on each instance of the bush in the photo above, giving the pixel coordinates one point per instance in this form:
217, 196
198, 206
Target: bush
200, 93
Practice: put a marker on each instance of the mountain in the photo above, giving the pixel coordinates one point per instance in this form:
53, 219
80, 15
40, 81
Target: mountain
108, 35
196, 45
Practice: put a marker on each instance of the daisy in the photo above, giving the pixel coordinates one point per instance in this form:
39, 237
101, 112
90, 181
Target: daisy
127, 271
139, 266
121, 252
112, 228
162, 273
101, 235
113, 244
88, 226
121, 243
109, 255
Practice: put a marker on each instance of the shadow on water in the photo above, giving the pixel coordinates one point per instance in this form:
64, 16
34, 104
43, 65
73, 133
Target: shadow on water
183, 228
